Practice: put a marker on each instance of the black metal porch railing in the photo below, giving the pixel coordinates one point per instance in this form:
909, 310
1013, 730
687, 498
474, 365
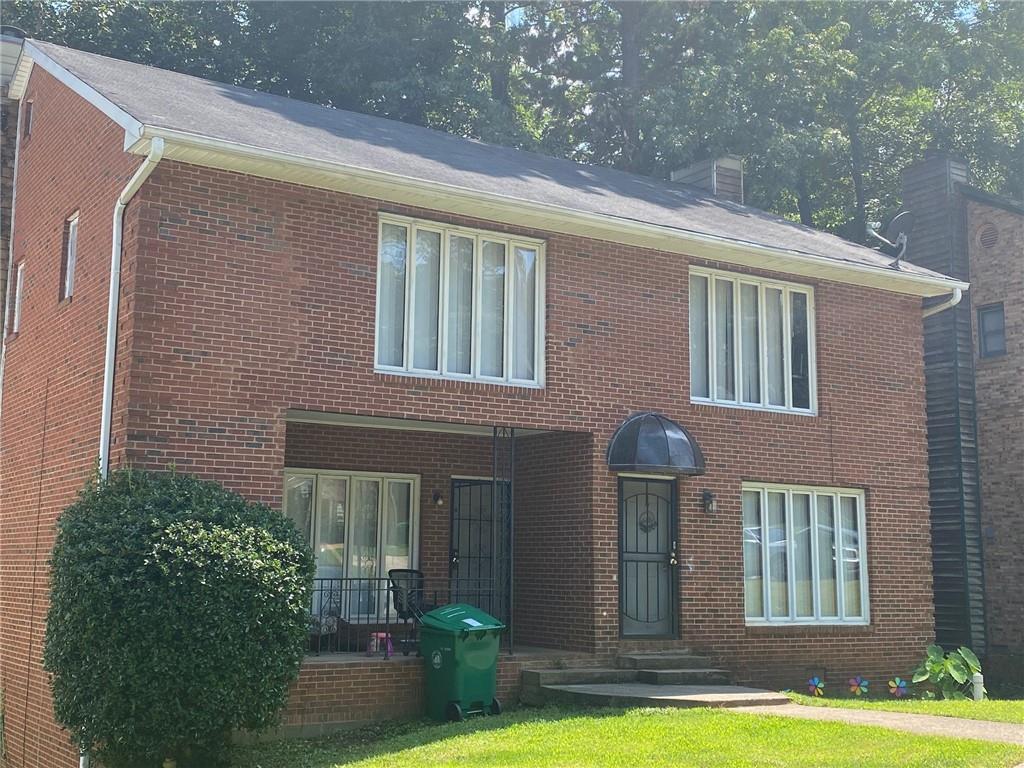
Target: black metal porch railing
359, 615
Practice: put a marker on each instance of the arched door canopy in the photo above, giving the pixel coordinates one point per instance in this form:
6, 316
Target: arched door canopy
650, 442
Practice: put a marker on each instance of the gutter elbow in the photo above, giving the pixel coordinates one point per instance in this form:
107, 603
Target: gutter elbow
952, 301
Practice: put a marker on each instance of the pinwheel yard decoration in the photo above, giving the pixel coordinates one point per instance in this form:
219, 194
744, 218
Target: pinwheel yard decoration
858, 685
898, 687
816, 686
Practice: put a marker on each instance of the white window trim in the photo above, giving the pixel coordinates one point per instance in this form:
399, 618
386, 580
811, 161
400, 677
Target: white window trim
817, 620
70, 256
19, 295
479, 236
414, 511
787, 288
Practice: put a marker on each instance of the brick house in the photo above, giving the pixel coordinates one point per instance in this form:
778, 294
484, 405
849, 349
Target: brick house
621, 413
975, 385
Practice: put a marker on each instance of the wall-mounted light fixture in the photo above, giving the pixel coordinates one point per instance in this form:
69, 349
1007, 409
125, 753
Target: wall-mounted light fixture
438, 499
708, 500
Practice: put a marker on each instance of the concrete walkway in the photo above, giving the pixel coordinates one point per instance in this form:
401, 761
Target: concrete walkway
927, 725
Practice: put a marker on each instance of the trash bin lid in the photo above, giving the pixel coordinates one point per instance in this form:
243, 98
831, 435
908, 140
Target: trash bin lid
460, 617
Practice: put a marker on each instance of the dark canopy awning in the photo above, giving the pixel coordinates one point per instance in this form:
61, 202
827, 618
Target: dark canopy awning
650, 442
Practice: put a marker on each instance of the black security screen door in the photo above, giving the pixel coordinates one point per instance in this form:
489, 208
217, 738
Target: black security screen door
648, 600
479, 547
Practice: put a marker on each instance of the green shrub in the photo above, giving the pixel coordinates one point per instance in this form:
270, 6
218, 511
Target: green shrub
178, 612
947, 673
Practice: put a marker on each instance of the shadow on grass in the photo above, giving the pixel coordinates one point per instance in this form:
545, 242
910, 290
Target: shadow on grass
393, 736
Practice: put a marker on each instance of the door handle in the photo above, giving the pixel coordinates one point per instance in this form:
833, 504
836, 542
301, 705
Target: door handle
454, 563
672, 558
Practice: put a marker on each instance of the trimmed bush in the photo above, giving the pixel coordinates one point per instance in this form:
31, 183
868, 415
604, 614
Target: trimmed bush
178, 612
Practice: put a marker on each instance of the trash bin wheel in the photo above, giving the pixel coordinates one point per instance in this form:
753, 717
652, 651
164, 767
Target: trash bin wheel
454, 712
495, 708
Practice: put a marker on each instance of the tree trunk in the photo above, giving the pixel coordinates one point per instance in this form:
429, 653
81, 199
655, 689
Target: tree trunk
501, 62
803, 201
629, 20
859, 225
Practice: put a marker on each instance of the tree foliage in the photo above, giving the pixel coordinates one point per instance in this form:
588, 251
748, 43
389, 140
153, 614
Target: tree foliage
178, 612
827, 101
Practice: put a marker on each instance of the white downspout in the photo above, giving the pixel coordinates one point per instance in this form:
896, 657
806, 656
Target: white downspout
949, 303
10, 257
156, 151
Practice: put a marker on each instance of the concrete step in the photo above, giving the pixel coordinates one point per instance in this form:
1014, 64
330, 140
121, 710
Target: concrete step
577, 675
682, 659
695, 676
647, 695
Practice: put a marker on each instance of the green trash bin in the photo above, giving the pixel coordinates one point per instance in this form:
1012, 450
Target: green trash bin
459, 644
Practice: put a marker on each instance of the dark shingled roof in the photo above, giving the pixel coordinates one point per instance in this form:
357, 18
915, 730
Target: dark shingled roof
166, 99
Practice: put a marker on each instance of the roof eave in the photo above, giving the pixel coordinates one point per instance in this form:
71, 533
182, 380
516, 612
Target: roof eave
296, 168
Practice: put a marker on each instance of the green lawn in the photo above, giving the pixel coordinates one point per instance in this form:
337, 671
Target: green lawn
997, 710
638, 737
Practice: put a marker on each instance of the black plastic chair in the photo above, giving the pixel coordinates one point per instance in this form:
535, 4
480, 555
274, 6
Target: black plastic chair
408, 599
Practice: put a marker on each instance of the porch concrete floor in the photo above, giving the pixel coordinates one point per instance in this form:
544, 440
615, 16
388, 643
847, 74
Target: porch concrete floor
647, 694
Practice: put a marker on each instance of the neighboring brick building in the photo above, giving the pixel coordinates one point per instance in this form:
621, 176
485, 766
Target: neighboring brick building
976, 410
269, 321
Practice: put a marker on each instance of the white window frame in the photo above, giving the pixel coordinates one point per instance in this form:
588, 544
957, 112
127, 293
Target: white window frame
70, 256
814, 492
19, 295
383, 478
788, 289
479, 236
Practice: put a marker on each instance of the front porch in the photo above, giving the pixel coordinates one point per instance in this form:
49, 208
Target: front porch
490, 516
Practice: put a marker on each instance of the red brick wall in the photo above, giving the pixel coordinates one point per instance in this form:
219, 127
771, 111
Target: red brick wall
283, 279
997, 275
49, 436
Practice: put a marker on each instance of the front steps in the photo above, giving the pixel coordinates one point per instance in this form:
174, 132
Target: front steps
663, 679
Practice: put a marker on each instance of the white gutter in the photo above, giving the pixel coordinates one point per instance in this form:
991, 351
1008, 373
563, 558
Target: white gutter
10, 258
949, 303
156, 151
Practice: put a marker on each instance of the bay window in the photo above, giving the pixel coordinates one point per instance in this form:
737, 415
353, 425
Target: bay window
358, 525
804, 555
459, 303
751, 342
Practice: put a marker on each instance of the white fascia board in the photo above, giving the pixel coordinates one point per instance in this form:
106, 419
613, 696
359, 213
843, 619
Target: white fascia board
31, 56
296, 168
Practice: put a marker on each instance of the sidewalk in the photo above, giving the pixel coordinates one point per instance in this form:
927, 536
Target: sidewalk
928, 725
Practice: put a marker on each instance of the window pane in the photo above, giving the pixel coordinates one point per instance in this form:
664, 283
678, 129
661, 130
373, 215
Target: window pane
803, 572
362, 561
801, 364
330, 527
398, 526
826, 532
492, 314
750, 348
425, 284
699, 336
391, 312
777, 557
524, 313
19, 291
460, 304
298, 503
851, 557
70, 258
725, 388
775, 378
753, 579
992, 330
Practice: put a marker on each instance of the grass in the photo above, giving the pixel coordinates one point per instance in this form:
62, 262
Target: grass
648, 737
996, 710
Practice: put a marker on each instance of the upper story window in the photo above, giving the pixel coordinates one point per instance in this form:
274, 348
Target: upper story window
459, 303
69, 257
19, 294
991, 331
751, 342
26, 128
804, 555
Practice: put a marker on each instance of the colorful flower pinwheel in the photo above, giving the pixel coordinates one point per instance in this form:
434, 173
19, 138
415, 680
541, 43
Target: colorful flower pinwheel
858, 685
898, 687
816, 686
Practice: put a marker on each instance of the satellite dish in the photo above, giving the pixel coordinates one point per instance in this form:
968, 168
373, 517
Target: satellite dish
897, 235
